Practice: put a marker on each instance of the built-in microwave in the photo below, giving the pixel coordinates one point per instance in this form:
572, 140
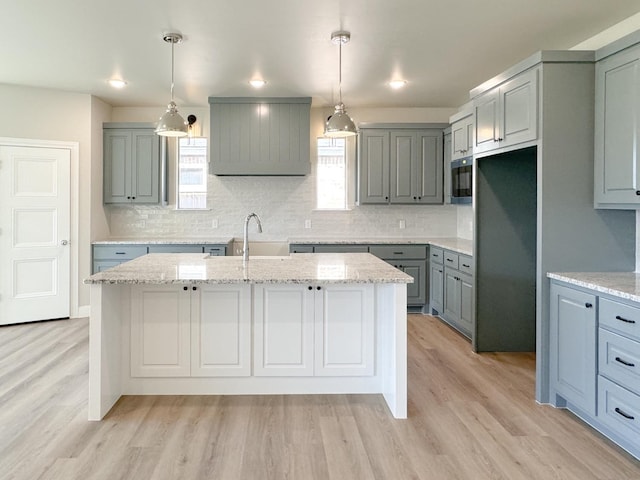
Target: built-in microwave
462, 180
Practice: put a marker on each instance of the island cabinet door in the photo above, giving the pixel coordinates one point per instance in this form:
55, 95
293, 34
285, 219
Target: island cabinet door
221, 331
344, 330
283, 330
160, 326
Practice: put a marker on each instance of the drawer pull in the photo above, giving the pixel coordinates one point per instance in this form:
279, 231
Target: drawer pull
449, 260
619, 360
121, 253
622, 319
398, 253
625, 415
466, 266
588, 305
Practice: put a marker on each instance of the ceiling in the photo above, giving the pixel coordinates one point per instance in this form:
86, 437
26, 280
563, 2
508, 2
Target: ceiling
443, 48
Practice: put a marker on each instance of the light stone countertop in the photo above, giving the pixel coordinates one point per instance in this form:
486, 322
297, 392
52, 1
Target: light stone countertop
165, 241
458, 245
619, 284
183, 268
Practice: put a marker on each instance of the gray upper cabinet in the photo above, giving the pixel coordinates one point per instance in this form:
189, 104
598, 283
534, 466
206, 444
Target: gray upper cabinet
446, 153
131, 163
617, 133
400, 166
507, 114
260, 136
462, 137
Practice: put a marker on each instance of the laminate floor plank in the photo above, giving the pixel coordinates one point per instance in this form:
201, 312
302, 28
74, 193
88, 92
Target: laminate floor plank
471, 416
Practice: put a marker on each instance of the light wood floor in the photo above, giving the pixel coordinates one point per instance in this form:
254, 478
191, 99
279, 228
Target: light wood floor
470, 417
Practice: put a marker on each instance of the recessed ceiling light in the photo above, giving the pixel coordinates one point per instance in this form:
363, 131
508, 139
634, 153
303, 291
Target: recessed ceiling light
256, 83
396, 84
117, 83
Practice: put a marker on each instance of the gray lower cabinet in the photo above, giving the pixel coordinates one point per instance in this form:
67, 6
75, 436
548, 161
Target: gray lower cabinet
617, 137
411, 259
260, 135
594, 360
452, 289
573, 346
109, 255
400, 166
131, 164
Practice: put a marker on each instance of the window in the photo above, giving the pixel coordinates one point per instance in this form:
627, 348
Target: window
192, 173
331, 183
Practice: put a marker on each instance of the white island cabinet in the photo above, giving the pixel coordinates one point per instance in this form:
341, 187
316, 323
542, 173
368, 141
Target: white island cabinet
193, 324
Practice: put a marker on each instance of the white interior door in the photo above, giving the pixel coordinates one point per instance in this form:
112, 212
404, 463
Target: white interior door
34, 233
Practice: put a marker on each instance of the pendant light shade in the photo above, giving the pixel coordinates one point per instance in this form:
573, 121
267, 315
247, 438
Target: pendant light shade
340, 123
171, 124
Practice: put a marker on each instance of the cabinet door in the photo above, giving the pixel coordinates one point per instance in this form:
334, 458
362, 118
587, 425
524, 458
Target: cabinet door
436, 287
403, 157
469, 136
221, 331
145, 167
344, 330
462, 138
519, 109
160, 331
416, 291
617, 142
117, 166
446, 154
487, 130
427, 184
573, 359
283, 330
373, 171
466, 304
452, 293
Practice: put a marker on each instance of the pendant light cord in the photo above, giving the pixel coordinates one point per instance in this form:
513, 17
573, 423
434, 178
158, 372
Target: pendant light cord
172, 68
340, 71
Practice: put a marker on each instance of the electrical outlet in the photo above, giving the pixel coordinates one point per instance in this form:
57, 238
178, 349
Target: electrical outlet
402, 224
214, 223
307, 223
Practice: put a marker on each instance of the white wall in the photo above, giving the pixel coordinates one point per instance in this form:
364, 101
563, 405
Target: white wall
284, 203
43, 114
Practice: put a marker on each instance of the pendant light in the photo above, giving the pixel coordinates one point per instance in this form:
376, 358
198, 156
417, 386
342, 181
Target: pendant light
171, 124
340, 123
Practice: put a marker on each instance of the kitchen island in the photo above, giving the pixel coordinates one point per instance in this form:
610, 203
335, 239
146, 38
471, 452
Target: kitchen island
170, 324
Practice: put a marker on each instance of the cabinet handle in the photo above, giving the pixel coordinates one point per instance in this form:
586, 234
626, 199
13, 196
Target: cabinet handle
637, 192
465, 265
133, 198
449, 260
439, 271
419, 198
310, 287
121, 253
619, 360
625, 415
194, 288
318, 287
386, 198
588, 305
622, 319
415, 198
128, 198
185, 288
398, 253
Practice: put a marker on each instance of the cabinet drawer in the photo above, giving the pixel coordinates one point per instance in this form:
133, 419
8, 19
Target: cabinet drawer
215, 250
451, 259
174, 248
619, 359
619, 317
300, 248
341, 249
120, 252
619, 409
397, 252
465, 264
437, 255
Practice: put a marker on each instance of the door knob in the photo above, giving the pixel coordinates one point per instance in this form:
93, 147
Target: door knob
64, 242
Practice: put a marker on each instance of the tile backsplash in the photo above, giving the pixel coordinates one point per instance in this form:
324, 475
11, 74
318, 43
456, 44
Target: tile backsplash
284, 204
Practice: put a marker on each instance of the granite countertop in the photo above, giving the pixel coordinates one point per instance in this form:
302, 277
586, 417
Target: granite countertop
458, 245
164, 241
619, 284
182, 268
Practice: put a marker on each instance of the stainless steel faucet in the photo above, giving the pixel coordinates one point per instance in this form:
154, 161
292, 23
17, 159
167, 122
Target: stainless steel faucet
245, 243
